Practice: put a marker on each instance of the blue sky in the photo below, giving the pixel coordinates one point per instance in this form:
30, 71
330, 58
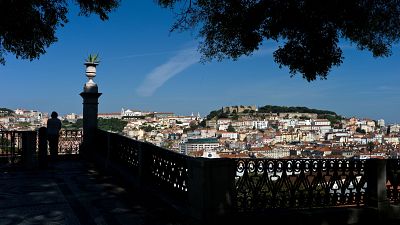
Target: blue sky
144, 66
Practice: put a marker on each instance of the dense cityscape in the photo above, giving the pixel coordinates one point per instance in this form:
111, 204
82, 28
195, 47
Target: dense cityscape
239, 131
194, 112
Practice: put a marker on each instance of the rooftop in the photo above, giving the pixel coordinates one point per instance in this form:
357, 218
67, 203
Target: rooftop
203, 140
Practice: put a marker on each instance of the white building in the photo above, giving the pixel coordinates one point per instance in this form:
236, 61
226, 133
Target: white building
71, 116
320, 122
205, 144
109, 115
130, 113
223, 127
224, 121
226, 134
395, 128
19, 111
207, 133
260, 124
381, 122
242, 124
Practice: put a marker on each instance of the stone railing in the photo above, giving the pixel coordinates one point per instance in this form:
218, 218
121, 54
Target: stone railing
17, 148
212, 187
393, 180
10, 147
262, 184
22, 147
165, 169
69, 142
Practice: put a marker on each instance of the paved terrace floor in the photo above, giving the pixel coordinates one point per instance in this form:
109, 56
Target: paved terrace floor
73, 192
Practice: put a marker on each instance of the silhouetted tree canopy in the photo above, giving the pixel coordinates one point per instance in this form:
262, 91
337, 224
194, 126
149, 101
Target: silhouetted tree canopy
27, 27
310, 30
6, 112
292, 109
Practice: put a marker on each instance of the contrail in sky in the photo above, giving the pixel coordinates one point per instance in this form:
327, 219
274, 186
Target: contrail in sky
145, 54
161, 74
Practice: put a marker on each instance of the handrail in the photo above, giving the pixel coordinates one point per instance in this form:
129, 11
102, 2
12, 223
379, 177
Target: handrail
69, 141
10, 147
248, 185
161, 167
299, 183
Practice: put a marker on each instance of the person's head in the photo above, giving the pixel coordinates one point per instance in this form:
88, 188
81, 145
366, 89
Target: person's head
54, 114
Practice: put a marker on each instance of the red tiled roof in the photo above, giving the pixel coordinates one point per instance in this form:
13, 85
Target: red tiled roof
265, 148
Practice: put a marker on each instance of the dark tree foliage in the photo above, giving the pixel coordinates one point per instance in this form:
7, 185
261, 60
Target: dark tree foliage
231, 128
292, 109
370, 146
148, 128
202, 124
214, 114
334, 119
72, 126
361, 131
6, 112
309, 29
28, 27
112, 124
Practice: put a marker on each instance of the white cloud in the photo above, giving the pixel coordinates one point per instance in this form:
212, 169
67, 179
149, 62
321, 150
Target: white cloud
161, 74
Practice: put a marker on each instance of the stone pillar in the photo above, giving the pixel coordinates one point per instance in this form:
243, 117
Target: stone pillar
28, 149
210, 186
376, 187
90, 110
42, 151
90, 97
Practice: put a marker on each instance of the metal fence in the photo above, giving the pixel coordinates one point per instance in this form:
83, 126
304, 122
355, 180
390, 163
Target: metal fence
163, 168
69, 142
393, 180
262, 184
247, 185
10, 147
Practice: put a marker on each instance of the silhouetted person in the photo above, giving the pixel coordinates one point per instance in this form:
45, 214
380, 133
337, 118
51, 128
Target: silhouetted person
53, 133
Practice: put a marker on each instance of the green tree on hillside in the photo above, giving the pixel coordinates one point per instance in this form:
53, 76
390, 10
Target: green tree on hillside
112, 124
231, 128
334, 119
72, 126
292, 109
361, 131
6, 112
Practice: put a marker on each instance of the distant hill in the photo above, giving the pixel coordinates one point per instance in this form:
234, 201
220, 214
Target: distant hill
277, 109
6, 112
217, 114
334, 118
292, 109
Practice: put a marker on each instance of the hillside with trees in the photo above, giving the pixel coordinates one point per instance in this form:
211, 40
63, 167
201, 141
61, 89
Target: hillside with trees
6, 112
115, 125
321, 114
292, 109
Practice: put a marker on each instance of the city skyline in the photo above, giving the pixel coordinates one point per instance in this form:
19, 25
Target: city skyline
172, 113
145, 67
